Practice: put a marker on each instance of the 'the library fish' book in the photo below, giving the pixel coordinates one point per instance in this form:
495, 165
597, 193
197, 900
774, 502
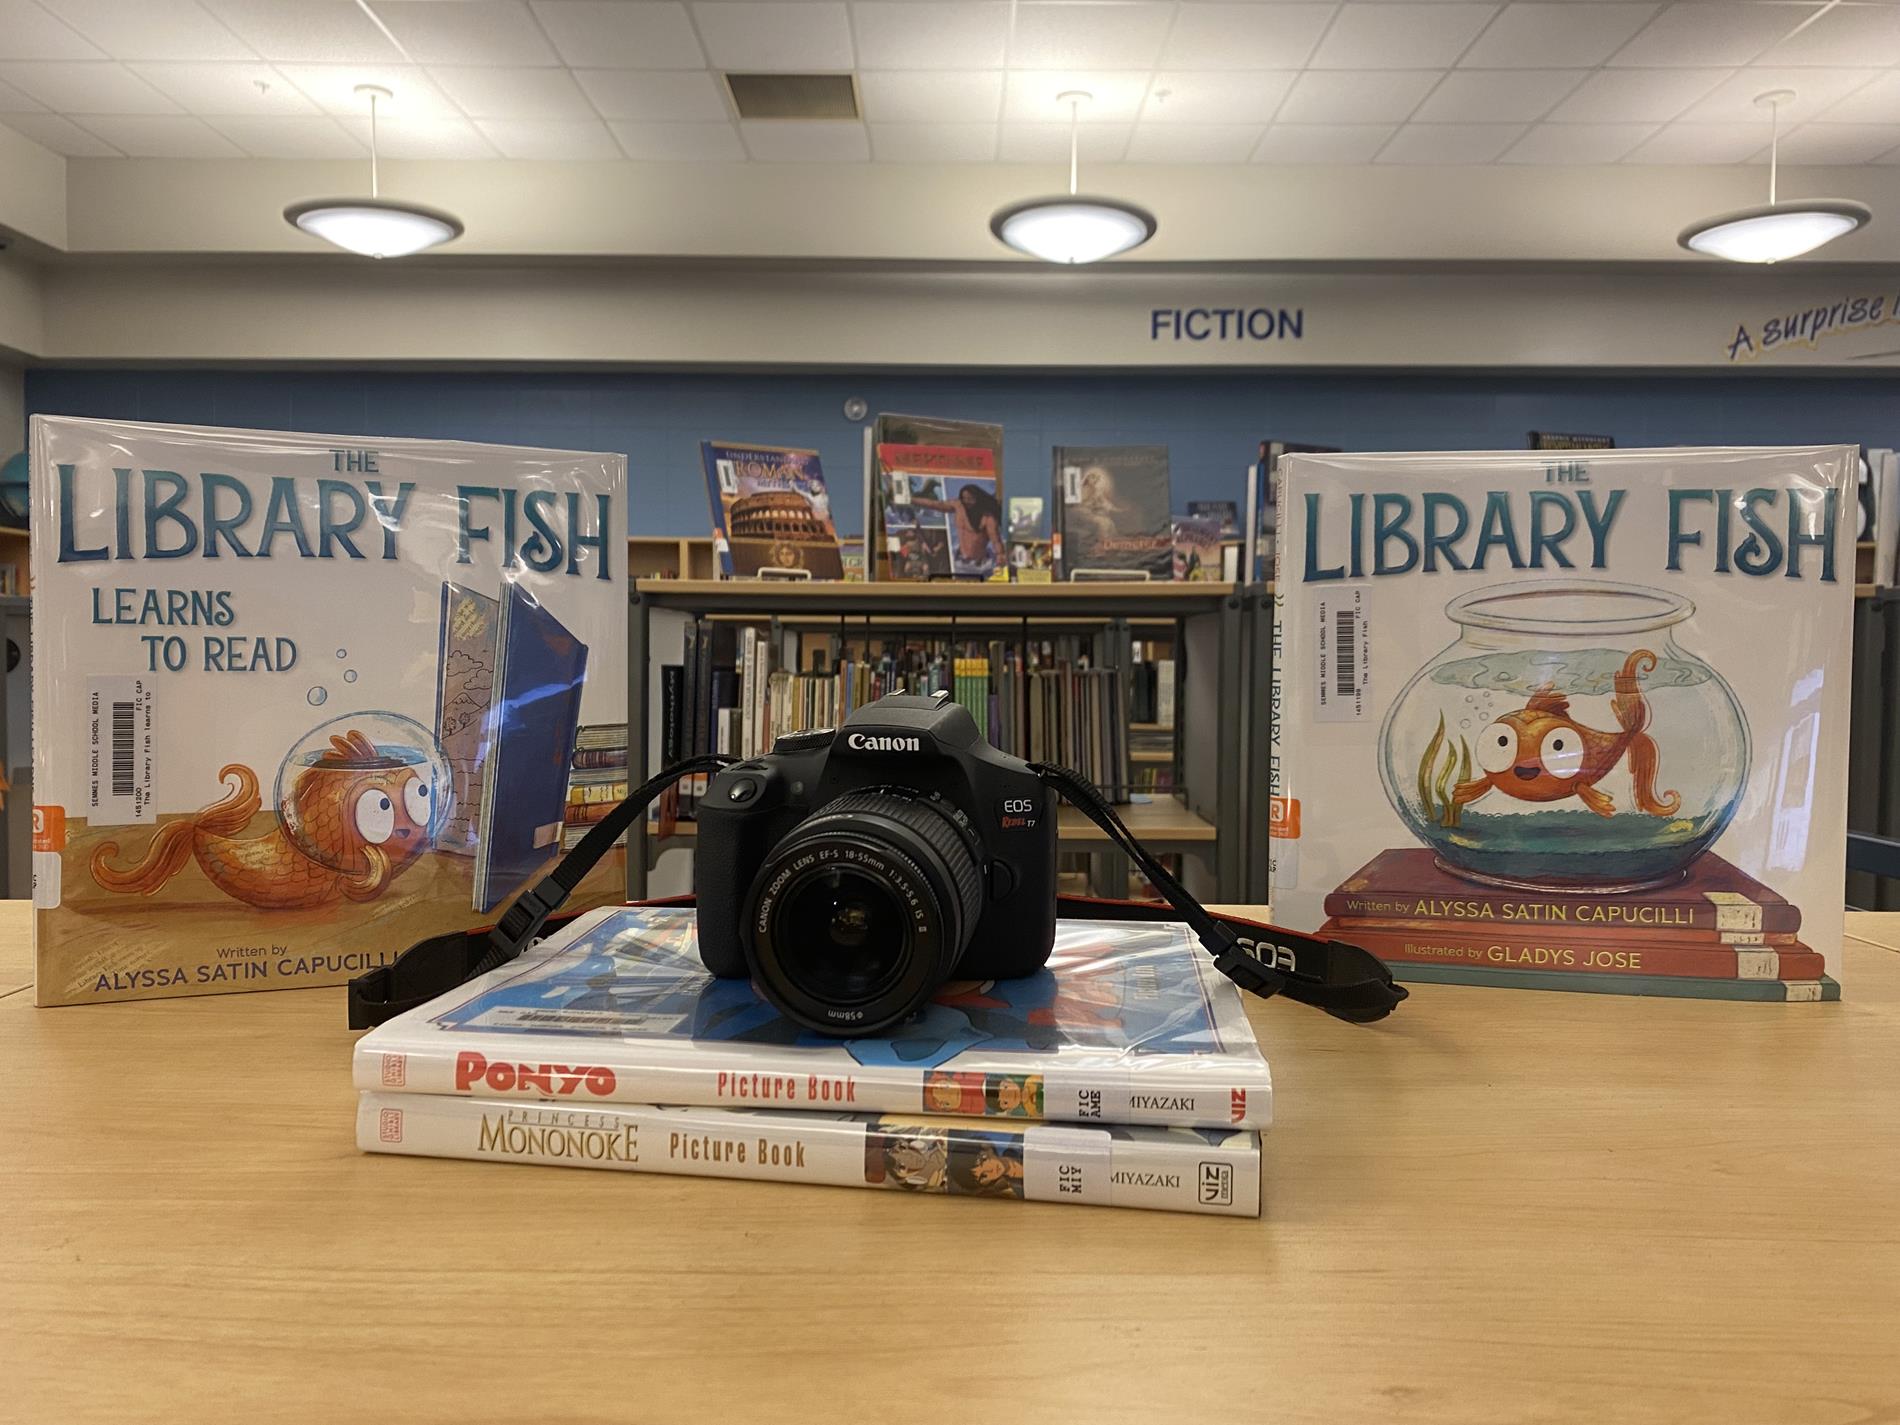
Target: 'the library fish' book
942, 518
1128, 1024
1206, 1170
770, 511
304, 699
1572, 721
1111, 512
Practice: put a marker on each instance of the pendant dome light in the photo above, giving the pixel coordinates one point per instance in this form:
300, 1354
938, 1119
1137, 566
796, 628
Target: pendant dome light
374, 226
1779, 230
1076, 228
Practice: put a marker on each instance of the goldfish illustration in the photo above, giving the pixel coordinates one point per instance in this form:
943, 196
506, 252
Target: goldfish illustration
369, 815
1541, 754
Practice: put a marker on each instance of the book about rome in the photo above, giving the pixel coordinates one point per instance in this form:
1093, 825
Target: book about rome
1127, 1024
302, 699
1206, 1170
1568, 720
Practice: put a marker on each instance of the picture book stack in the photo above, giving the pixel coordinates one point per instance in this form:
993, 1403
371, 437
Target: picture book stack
1111, 512
1530, 731
598, 782
301, 699
1124, 1075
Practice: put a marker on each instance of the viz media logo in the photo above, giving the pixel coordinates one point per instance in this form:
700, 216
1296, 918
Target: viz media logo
877, 742
548, 1080
1237, 1106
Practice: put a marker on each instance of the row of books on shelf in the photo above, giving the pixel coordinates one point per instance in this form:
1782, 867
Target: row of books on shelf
1059, 699
1125, 1076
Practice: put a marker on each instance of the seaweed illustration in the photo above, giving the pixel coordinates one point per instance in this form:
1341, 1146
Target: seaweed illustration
1435, 780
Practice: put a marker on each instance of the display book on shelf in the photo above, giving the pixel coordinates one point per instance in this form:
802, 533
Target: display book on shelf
1125, 1074
933, 499
1530, 732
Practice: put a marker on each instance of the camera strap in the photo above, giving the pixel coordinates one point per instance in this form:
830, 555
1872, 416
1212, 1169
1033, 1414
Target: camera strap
1345, 981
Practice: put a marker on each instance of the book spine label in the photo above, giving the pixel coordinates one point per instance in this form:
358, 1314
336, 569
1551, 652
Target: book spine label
1612, 955
1576, 912
583, 1078
1088, 1167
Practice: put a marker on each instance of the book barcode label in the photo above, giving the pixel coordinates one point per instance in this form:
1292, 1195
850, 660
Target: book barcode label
1342, 682
119, 751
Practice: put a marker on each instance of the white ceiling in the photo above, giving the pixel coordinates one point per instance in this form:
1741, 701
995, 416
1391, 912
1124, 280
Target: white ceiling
1175, 81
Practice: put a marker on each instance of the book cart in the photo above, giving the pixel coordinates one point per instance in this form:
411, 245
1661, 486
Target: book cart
1202, 818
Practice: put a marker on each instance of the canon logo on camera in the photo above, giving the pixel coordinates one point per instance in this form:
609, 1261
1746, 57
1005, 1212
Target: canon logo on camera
877, 742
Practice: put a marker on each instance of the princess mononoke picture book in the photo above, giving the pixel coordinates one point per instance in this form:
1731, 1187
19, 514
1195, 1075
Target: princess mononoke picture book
1568, 721
1127, 1024
304, 699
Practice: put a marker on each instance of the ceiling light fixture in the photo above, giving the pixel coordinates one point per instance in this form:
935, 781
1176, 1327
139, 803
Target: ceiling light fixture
374, 226
1779, 230
1076, 228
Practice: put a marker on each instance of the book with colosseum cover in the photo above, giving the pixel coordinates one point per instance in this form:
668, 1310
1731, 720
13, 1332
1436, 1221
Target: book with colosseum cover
304, 699
770, 511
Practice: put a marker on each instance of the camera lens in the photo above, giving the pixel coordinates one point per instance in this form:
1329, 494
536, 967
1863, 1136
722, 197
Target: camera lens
863, 910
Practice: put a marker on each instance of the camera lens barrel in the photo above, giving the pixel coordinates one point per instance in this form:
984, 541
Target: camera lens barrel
862, 910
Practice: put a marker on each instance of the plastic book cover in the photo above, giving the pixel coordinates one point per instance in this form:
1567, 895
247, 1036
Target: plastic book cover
304, 699
1112, 506
891, 429
1215, 1171
1531, 729
942, 517
1130, 1023
770, 511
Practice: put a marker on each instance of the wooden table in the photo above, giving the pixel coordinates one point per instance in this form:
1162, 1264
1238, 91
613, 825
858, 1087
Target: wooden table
1495, 1207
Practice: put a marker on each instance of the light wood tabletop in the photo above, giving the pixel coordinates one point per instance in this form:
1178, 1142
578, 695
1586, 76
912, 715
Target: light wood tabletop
1496, 1206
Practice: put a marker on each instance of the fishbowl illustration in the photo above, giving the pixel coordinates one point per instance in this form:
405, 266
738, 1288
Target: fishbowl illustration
1566, 740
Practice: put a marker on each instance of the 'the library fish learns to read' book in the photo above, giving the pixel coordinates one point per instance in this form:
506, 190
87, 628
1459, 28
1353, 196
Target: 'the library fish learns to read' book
1568, 721
305, 699
1128, 1024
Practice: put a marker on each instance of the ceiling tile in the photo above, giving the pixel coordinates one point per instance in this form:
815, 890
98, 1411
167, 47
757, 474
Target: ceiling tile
332, 88
1194, 143
805, 141
1843, 144
1322, 143
655, 96
1612, 96
933, 143
422, 138
467, 31
290, 136
1874, 103
1449, 143
87, 88
1846, 36
1369, 97
679, 143
203, 89
13, 101
1400, 36
1577, 143
620, 34
1685, 36
1556, 36
152, 29
1733, 100
162, 136
1245, 36
1228, 97
551, 140
60, 135
1089, 36
1702, 143
308, 31
1030, 95
776, 35
1049, 143
926, 34
515, 94
1496, 95
942, 98
29, 32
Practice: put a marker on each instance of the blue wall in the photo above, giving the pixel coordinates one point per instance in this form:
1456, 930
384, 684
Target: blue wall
1211, 422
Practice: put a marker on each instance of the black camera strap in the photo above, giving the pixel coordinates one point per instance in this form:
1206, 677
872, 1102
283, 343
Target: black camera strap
1345, 981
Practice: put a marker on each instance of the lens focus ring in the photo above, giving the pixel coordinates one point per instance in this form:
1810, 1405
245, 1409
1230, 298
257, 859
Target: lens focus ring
936, 829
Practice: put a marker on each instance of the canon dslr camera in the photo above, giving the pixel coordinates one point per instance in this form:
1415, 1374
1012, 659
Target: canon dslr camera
849, 873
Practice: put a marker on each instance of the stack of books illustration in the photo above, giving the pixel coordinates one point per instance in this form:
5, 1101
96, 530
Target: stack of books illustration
598, 781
